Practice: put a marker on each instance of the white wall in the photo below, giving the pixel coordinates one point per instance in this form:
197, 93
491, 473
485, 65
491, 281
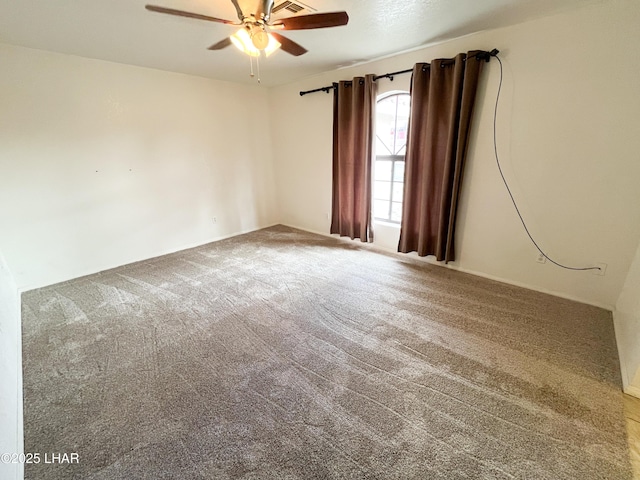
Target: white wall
568, 136
627, 322
103, 164
10, 366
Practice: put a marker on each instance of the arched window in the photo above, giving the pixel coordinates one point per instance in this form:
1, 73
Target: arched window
392, 118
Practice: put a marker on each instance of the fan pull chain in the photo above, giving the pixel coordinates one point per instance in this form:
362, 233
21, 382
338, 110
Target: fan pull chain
251, 63
258, 64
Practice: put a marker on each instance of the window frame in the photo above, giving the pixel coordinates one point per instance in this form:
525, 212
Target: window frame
394, 158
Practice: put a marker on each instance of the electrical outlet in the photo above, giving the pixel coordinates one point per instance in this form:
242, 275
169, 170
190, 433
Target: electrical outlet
541, 258
602, 267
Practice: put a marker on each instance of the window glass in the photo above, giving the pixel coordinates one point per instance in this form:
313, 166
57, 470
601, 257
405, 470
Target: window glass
396, 212
382, 190
380, 208
392, 119
383, 169
398, 171
398, 190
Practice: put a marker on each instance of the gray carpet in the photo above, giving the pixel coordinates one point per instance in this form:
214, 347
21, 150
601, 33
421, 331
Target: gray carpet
282, 354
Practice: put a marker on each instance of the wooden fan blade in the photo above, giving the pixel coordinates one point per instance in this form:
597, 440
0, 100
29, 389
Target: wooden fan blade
180, 13
315, 20
289, 46
225, 42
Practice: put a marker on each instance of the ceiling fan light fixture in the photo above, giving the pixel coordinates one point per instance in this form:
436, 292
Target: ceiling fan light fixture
242, 42
250, 43
259, 38
272, 46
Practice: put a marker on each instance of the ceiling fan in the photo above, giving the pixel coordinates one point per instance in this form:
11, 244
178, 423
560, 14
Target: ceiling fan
257, 32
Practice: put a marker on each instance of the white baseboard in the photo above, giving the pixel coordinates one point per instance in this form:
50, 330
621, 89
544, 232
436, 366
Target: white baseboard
617, 329
20, 403
26, 288
535, 288
466, 270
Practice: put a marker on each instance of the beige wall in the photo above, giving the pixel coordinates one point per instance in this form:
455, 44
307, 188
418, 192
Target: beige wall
10, 378
568, 137
627, 322
104, 164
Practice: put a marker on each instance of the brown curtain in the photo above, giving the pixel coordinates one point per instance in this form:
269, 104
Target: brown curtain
442, 98
353, 105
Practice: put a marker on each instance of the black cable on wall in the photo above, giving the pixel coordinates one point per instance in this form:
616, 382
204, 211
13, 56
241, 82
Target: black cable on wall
495, 149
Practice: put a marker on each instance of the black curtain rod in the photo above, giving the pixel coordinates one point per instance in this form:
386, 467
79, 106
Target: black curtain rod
483, 55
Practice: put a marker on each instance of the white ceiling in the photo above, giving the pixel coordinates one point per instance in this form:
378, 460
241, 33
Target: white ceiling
123, 31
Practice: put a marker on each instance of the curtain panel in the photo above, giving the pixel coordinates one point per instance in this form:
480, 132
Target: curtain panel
353, 135
442, 97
